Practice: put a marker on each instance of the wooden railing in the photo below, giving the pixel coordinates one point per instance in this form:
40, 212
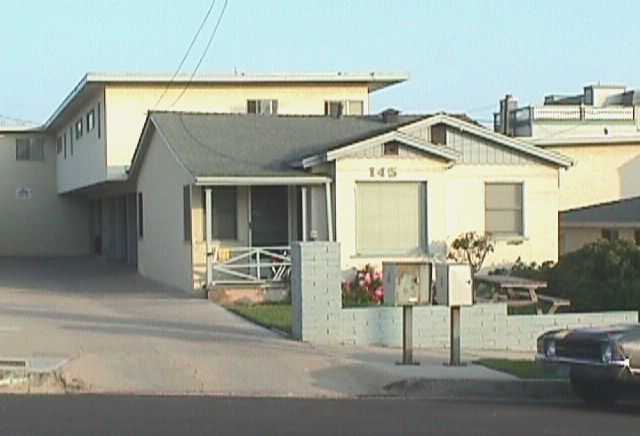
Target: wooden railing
249, 265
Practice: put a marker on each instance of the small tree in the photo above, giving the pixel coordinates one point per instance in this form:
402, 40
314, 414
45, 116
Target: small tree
471, 248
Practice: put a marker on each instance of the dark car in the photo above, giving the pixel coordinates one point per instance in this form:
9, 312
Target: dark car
603, 362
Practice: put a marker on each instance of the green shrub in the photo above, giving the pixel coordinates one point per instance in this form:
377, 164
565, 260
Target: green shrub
600, 276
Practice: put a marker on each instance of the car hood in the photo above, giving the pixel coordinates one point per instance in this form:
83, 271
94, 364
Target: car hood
613, 332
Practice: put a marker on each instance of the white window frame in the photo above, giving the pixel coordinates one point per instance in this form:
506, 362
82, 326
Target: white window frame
262, 105
501, 236
345, 105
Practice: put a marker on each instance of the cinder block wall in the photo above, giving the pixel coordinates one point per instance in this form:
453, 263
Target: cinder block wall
318, 316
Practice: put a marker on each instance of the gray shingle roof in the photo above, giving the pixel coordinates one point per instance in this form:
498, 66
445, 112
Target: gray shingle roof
622, 211
236, 145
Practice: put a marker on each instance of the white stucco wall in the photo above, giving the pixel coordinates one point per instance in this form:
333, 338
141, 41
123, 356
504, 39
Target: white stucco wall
455, 204
47, 224
163, 255
601, 173
87, 165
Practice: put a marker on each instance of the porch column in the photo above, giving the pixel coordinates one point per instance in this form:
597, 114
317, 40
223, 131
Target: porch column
304, 212
327, 190
208, 209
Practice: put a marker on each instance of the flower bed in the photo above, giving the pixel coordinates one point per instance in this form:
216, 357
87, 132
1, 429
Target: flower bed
365, 289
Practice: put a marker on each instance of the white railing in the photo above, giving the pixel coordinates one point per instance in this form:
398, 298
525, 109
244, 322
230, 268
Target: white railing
249, 265
607, 113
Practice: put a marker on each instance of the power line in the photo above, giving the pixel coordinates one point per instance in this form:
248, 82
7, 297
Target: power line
204, 53
186, 55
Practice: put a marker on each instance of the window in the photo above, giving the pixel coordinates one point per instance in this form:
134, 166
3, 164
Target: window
71, 140
186, 212
610, 234
391, 149
140, 216
334, 108
78, 130
59, 145
338, 108
30, 149
262, 107
91, 120
225, 207
99, 122
504, 209
390, 218
64, 144
355, 107
636, 236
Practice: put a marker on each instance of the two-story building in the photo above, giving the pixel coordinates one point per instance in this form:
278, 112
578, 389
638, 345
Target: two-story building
63, 185
600, 130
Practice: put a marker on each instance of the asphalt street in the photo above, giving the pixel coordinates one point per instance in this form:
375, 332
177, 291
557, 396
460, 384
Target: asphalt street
147, 415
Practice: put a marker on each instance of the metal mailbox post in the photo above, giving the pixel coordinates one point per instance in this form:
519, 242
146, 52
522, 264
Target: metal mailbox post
407, 284
454, 289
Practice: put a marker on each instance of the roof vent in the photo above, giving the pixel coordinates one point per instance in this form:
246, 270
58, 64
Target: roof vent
390, 115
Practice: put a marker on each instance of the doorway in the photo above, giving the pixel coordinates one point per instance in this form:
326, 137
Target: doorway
269, 216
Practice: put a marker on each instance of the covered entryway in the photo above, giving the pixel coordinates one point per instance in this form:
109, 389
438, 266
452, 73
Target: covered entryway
269, 222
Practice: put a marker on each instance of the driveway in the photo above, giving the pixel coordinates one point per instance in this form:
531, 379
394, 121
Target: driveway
123, 333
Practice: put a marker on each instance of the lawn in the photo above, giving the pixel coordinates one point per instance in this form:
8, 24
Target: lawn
277, 316
525, 369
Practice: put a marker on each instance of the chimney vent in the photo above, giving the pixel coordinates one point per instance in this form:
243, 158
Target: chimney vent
390, 115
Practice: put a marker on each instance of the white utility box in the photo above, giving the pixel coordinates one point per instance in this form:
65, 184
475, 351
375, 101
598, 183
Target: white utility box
406, 283
453, 284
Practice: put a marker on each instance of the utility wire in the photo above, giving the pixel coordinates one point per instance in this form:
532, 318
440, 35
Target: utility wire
204, 53
186, 55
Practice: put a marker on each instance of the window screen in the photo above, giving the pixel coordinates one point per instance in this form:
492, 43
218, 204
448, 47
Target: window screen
356, 107
503, 209
390, 218
225, 207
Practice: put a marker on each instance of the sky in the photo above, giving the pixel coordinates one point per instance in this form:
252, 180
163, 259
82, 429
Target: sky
462, 56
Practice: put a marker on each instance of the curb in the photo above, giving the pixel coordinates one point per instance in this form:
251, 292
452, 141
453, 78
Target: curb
556, 390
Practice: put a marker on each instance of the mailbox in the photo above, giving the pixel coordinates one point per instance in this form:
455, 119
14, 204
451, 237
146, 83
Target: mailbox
453, 284
406, 283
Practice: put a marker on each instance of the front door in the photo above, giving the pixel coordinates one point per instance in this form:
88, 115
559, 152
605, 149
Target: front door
269, 216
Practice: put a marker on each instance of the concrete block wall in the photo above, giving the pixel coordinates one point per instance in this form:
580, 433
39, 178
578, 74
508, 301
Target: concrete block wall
318, 316
315, 292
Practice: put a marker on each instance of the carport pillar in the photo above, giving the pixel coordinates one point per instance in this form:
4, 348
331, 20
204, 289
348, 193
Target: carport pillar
327, 190
208, 209
303, 191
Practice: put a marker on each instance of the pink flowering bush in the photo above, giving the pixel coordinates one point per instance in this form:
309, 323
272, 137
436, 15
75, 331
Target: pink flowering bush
365, 288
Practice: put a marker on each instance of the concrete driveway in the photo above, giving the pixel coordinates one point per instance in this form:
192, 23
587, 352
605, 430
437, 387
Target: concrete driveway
123, 333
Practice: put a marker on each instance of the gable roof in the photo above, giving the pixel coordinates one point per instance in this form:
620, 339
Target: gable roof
457, 121
512, 143
243, 145
618, 212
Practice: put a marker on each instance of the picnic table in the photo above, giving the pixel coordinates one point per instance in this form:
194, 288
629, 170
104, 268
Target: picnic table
521, 292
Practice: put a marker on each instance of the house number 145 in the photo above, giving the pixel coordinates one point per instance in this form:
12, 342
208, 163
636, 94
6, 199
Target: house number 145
383, 172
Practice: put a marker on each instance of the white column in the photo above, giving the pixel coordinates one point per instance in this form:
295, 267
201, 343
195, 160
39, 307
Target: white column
327, 190
304, 213
208, 213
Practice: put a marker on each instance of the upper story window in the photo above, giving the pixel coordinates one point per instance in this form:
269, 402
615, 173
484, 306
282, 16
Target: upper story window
91, 120
504, 211
262, 107
391, 149
79, 128
336, 108
30, 149
59, 145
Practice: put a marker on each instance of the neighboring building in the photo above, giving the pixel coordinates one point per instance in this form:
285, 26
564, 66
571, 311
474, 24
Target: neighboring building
386, 187
600, 130
610, 221
64, 184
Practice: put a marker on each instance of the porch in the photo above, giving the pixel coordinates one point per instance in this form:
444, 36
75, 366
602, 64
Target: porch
243, 228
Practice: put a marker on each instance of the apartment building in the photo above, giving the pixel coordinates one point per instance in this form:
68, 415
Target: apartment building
599, 129
64, 184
